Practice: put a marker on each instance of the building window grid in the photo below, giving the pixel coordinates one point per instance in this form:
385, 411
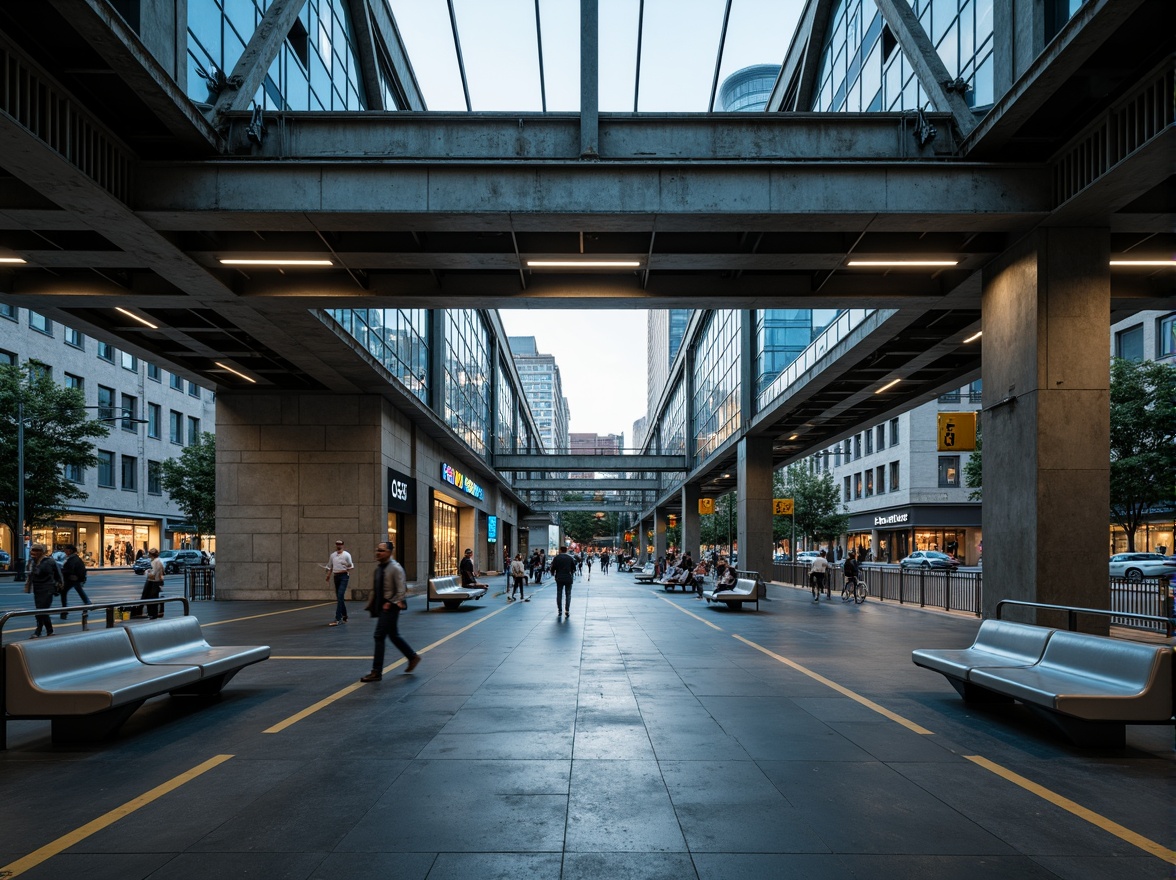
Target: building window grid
895, 484
74, 473
176, 427
154, 478
153, 372
154, 420
75, 382
105, 402
130, 473
949, 471
505, 416
397, 338
1166, 336
129, 412
40, 323
894, 432
716, 382
9, 312
193, 430
74, 338
467, 376
106, 352
105, 469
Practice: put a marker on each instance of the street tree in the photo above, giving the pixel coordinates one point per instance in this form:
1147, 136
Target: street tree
190, 480
585, 527
1143, 442
721, 528
58, 436
973, 471
818, 510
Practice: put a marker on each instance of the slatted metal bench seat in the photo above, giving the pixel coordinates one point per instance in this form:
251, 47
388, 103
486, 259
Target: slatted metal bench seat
674, 585
178, 641
87, 685
998, 643
449, 592
646, 575
745, 590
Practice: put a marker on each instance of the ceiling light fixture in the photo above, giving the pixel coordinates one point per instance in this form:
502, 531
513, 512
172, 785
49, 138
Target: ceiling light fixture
275, 261
974, 336
15, 261
726, 476
1143, 262
136, 317
889, 384
235, 372
903, 263
794, 437
584, 264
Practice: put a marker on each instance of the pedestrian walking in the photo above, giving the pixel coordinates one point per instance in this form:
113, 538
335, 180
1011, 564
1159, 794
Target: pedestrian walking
339, 567
519, 573
818, 572
73, 572
591, 558
44, 580
563, 569
605, 561
388, 599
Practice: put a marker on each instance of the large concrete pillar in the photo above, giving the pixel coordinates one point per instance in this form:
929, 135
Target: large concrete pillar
660, 520
1046, 421
642, 541
754, 505
691, 522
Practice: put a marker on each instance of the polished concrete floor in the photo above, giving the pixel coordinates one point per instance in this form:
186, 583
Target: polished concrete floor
647, 736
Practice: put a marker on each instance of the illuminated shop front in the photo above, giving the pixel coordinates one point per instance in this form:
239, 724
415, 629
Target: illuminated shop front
889, 535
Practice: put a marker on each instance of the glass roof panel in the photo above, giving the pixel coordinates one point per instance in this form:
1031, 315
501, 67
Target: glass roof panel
428, 38
500, 52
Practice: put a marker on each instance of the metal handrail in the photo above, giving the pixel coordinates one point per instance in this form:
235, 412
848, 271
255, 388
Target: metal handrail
108, 607
1072, 613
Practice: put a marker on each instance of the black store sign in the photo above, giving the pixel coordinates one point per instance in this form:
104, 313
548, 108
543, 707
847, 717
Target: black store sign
401, 492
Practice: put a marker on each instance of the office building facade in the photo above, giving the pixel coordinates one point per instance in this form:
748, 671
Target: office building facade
543, 389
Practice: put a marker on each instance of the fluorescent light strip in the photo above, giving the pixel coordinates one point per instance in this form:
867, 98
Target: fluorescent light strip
903, 263
974, 336
1143, 262
276, 262
584, 264
889, 384
16, 261
235, 372
135, 317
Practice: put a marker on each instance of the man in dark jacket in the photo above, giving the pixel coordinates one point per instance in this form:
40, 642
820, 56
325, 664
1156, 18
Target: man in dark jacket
44, 578
74, 572
563, 569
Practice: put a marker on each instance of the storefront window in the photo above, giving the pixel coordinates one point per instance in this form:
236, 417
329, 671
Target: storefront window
444, 561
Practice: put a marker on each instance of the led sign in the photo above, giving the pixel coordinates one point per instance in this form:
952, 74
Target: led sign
893, 519
491, 530
456, 478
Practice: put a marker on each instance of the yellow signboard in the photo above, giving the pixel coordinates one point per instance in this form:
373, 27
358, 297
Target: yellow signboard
782, 507
957, 432
706, 505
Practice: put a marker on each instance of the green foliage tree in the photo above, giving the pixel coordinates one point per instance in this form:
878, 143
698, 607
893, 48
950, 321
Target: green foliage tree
1143, 441
973, 472
584, 527
819, 513
58, 433
190, 480
714, 527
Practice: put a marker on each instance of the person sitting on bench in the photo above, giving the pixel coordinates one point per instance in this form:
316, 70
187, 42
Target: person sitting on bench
469, 578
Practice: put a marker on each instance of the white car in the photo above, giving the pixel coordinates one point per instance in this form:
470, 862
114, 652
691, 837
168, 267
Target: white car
1137, 566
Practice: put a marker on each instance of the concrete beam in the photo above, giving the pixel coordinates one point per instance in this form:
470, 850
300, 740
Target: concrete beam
564, 463
562, 506
560, 484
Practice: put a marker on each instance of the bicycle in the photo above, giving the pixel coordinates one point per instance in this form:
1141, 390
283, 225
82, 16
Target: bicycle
855, 589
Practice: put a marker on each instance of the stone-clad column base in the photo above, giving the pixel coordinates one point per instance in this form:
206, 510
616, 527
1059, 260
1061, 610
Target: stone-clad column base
755, 505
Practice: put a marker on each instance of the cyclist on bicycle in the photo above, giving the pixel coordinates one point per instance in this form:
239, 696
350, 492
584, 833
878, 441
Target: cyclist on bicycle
851, 569
818, 573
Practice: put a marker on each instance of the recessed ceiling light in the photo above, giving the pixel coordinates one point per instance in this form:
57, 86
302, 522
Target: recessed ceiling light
903, 263
235, 372
584, 264
1143, 262
974, 336
136, 317
794, 437
275, 261
889, 384
726, 476
17, 261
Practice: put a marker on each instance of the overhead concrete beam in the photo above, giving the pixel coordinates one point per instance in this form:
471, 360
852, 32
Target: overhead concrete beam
573, 484
564, 463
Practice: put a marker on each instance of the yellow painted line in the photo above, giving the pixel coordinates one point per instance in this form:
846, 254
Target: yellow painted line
301, 657
869, 704
684, 611
1125, 834
267, 614
33, 859
352, 688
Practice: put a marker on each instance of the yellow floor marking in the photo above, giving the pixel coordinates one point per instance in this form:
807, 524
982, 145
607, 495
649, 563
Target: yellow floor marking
64, 842
1125, 834
869, 704
267, 614
308, 657
684, 611
352, 688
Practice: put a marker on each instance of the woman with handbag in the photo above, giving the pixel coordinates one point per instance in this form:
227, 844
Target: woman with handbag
152, 587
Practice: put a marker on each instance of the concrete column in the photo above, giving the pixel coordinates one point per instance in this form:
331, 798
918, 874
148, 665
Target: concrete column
589, 78
691, 522
754, 504
660, 521
1046, 313
642, 552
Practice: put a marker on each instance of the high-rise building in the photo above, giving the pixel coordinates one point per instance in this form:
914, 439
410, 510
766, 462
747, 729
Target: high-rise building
665, 330
748, 89
595, 444
543, 389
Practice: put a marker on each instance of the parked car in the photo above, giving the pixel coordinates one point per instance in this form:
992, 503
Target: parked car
143, 563
807, 556
1137, 566
929, 559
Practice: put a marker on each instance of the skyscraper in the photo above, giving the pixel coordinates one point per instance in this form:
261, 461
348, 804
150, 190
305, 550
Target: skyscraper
543, 389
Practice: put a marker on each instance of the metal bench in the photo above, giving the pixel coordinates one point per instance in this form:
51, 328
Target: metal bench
450, 593
87, 685
180, 642
646, 575
998, 643
745, 590
668, 586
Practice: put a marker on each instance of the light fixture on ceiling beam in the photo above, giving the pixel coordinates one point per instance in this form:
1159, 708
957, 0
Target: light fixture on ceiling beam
135, 317
583, 264
794, 437
13, 261
235, 372
889, 384
974, 336
274, 261
1171, 262
904, 263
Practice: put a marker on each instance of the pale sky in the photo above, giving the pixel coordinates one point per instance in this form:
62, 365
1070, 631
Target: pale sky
601, 357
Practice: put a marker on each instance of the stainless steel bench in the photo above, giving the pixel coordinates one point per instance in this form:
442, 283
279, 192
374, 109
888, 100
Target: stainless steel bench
449, 592
745, 590
998, 643
646, 575
179, 642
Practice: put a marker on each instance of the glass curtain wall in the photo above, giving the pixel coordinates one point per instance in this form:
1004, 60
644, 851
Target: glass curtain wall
467, 377
315, 69
505, 417
397, 338
864, 70
716, 382
672, 432
780, 337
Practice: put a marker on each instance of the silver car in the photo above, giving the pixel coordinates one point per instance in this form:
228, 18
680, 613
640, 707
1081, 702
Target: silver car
1137, 566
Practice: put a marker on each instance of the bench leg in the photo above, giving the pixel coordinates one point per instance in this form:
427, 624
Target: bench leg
206, 687
86, 728
975, 694
1082, 733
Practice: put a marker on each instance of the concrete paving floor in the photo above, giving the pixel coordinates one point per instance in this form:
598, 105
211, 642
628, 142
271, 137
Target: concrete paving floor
647, 736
